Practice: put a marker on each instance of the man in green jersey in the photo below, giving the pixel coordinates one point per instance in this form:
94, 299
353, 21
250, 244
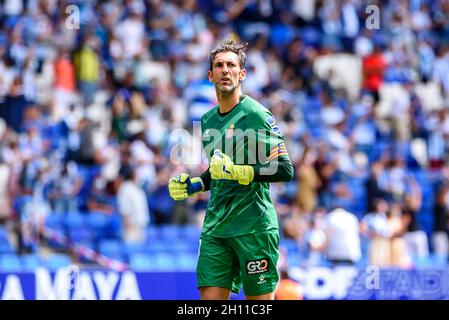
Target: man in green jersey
240, 236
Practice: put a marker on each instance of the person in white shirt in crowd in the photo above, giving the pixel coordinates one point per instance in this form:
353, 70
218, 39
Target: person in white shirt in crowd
375, 227
5, 174
133, 207
342, 237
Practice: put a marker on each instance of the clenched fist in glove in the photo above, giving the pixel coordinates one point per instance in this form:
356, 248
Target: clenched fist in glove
222, 167
181, 187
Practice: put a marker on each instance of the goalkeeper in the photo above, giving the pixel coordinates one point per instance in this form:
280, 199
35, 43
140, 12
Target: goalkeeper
240, 236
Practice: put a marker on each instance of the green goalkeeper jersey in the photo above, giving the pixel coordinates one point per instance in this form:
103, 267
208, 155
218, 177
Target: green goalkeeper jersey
248, 134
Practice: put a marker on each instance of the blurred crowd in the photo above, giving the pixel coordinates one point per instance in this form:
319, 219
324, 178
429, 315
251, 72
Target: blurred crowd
90, 107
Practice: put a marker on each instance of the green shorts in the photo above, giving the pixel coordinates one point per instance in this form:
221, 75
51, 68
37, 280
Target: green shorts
249, 259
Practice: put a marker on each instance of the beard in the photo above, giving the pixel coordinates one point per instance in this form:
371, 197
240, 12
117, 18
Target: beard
227, 89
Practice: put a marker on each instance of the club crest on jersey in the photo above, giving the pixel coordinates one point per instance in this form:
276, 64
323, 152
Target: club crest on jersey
274, 126
230, 132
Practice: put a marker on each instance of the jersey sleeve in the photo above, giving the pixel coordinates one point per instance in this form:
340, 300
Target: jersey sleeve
270, 140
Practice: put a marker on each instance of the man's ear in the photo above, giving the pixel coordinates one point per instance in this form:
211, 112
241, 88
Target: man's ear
209, 76
242, 74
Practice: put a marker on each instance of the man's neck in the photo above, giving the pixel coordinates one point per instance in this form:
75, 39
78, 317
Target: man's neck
226, 102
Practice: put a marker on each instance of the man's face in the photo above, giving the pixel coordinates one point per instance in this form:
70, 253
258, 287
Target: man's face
226, 73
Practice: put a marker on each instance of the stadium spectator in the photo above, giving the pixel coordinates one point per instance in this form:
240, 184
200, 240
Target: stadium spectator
133, 207
64, 84
374, 66
5, 178
342, 237
64, 189
375, 227
308, 182
399, 253
87, 68
315, 238
440, 240
415, 237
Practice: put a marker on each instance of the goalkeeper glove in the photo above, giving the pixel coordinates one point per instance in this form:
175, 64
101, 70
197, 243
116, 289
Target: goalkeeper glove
181, 187
222, 167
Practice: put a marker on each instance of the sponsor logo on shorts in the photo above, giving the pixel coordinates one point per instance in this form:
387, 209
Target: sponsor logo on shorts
261, 279
257, 266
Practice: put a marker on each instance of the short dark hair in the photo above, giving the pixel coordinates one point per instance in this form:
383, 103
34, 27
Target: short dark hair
126, 172
229, 45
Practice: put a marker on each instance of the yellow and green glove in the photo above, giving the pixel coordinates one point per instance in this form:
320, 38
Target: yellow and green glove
181, 187
222, 167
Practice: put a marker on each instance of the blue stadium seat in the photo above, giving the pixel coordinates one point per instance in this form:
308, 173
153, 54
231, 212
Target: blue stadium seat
293, 258
110, 247
289, 244
113, 227
169, 232
156, 246
310, 35
186, 261
81, 235
55, 261
74, 220
152, 233
165, 262
31, 262
130, 249
141, 262
6, 247
180, 246
113, 249
190, 232
55, 221
192, 246
98, 223
10, 263
3, 233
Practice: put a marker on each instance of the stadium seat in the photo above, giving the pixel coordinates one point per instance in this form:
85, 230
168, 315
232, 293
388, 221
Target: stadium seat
6, 247
55, 221
30, 262
190, 232
97, 222
156, 246
289, 244
81, 236
293, 258
169, 232
10, 263
180, 246
55, 261
131, 249
165, 262
152, 233
141, 262
110, 247
3, 233
186, 261
74, 220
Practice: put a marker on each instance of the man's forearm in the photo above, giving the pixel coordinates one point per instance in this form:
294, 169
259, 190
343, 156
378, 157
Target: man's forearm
262, 173
284, 171
206, 179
